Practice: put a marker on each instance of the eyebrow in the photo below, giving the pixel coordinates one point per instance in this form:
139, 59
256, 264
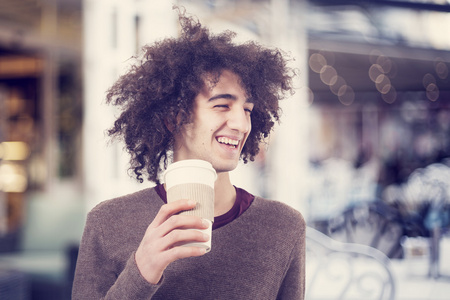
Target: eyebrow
222, 96
227, 96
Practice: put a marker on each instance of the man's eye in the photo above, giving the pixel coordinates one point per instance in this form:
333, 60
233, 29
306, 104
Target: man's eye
248, 110
221, 106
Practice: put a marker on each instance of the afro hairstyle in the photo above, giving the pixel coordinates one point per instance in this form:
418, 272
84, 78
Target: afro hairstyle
160, 87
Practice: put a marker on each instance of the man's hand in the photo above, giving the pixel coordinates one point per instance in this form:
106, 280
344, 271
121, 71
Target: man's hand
163, 237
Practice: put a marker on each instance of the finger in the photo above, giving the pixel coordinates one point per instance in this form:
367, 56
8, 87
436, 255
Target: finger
181, 252
181, 222
180, 237
169, 209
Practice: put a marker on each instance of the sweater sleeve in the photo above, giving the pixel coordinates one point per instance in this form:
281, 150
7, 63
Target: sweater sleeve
293, 285
96, 275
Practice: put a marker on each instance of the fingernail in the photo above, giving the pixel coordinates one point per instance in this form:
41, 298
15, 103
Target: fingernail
205, 236
191, 202
205, 223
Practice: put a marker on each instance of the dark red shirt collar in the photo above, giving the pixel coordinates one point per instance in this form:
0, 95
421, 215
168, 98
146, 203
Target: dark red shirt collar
243, 201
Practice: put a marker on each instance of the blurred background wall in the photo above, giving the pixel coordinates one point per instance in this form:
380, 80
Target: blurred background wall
372, 107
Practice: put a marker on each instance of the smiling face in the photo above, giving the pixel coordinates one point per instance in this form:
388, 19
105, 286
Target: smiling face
220, 124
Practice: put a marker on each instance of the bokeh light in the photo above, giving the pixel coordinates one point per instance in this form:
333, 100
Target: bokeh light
14, 151
334, 88
390, 96
328, 75
441, 68
346, 95
316, 62
375, 70
432, 92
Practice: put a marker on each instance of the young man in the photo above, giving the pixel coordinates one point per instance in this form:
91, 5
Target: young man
196, 97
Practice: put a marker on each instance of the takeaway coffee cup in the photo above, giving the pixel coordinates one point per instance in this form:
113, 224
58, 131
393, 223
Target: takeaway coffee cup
193, 179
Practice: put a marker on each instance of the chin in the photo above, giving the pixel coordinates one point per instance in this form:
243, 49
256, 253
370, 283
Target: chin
220, 168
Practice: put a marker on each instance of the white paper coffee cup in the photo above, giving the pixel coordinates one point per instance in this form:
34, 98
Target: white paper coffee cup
193, 179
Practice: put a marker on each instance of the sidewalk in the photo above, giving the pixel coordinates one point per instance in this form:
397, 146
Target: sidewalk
410, 287
412, 280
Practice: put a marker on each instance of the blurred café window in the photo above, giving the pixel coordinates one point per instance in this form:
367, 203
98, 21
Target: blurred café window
40, 105
17, 135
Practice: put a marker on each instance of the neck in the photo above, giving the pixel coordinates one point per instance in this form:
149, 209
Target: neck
224, 194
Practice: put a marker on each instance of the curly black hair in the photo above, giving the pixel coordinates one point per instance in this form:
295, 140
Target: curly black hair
163, 83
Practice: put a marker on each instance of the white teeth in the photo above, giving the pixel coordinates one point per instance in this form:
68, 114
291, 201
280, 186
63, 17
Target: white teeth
225, 140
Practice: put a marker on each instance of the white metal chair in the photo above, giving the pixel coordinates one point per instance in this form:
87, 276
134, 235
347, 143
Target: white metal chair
336, 270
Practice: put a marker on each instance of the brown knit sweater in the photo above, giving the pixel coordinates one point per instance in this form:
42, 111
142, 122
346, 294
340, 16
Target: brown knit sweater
259, 255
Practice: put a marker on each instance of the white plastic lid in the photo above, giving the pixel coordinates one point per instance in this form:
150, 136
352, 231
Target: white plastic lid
190, 171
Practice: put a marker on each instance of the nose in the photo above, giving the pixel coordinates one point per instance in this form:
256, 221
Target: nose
239, 120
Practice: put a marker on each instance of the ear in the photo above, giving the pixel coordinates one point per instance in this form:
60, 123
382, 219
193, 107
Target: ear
172, 121
169, 124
